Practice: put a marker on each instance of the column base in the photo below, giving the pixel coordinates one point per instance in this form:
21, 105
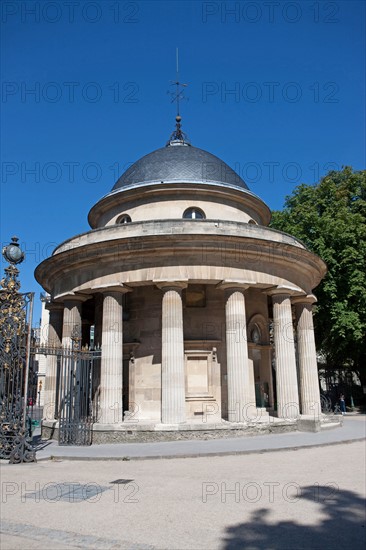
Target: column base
146, 432
309, 423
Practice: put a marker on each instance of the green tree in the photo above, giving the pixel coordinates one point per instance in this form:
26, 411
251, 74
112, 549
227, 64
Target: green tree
330, 218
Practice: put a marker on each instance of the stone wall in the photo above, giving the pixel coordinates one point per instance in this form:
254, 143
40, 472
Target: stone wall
150, 436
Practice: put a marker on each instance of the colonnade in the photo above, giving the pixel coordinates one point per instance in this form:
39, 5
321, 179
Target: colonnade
297, 390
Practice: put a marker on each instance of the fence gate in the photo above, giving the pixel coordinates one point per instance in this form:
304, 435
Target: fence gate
15, 342
75, 386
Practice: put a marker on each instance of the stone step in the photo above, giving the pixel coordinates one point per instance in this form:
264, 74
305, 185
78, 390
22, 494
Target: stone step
330, 425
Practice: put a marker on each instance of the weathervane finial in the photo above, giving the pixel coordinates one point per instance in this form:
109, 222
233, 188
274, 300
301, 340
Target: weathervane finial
178, 137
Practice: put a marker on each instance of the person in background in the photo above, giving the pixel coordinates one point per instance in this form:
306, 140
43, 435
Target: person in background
342, 403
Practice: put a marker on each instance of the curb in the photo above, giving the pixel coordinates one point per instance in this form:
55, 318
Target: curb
197, 455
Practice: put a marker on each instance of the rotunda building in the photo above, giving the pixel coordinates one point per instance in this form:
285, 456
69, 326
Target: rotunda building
203, 313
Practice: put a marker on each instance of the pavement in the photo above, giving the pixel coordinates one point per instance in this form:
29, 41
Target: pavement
353, 429
291, 491
292, 499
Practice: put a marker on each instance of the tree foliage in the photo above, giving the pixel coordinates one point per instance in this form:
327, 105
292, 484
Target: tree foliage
330, 218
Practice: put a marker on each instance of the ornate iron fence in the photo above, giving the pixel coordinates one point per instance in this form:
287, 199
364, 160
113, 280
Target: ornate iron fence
15, 341
74, 390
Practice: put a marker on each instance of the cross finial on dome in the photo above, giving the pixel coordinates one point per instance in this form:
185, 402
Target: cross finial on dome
178, 137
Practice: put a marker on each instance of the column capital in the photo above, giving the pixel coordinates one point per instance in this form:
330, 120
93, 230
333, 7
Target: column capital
302, 300
54, 306
72, 297
235, 284
284, 290
166, 285
112, 287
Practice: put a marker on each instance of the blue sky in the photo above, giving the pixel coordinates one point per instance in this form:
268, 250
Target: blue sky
276, 89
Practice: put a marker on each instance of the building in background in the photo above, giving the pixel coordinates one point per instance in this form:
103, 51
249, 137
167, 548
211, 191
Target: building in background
40, 359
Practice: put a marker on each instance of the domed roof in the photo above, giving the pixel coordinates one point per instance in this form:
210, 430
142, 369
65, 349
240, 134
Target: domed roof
179, 162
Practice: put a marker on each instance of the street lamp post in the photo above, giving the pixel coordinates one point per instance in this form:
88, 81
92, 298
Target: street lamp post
14, 359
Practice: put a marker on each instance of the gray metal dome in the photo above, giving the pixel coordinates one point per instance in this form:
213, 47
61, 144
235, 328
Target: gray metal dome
181, 163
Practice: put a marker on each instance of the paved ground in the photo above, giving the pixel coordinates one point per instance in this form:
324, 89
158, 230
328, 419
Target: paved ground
301, 497
292, 499
353, 429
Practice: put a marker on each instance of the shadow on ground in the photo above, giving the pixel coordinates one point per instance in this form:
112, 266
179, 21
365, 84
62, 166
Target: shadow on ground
38, 443
340, 524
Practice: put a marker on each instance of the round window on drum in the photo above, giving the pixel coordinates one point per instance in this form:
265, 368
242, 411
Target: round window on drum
194, 213
125, 218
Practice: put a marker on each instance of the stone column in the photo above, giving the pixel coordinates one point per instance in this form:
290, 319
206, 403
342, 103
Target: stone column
98, 320
240, 396
71, 328
53, 341
309, 382
286, 375
72, 319
173, 396
111, 372
98, 324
